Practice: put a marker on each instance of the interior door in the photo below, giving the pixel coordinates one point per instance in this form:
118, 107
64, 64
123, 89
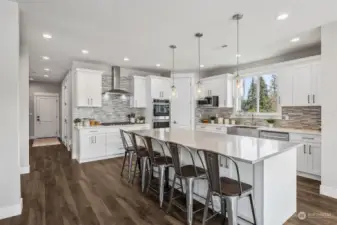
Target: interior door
46, 116
181, 104
65, 114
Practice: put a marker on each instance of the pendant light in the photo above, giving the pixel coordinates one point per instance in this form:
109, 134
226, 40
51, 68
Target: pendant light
174, 90
237, 17
199, 35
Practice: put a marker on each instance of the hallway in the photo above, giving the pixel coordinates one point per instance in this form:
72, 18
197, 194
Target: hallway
58, 191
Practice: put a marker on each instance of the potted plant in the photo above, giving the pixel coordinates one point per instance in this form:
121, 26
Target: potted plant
131, 117
271, 122
212, 118
77, 121
141, 119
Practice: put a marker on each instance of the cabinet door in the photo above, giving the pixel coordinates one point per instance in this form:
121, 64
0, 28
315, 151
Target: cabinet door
156, 91
82, 95
166, 88
314, 160
139, 93
302, 158
316, 73
92, 146
94, 84
285, 87
114, 145
302, 85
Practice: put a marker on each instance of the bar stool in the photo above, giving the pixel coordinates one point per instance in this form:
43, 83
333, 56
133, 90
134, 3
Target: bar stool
189, 173
129, 151
229, 190
161, 161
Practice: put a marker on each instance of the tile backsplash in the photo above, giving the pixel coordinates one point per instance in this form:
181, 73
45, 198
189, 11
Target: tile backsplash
300, 117
114, 107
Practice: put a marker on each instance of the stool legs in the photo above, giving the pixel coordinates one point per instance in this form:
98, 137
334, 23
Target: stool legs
171, 194
130, 165
143, 161
189, 199
208, 199
252, 204
161, 184
125, 156
232, 208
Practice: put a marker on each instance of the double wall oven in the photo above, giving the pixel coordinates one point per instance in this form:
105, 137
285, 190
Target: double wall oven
161, 113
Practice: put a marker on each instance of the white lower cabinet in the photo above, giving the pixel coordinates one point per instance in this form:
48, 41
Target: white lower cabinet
221, 129
93, 144
309, 159
114, 145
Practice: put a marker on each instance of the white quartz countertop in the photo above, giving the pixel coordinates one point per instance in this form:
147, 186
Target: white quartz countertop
280, 129
112, 126
246, 149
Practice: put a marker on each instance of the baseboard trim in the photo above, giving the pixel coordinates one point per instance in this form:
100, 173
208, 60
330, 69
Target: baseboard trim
100, 158
10, 211
310, 176
24, 169
328, 191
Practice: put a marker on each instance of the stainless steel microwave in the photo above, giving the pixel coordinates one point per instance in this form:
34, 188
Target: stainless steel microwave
210, 101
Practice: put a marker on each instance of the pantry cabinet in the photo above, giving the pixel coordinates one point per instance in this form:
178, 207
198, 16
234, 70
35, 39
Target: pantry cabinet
160, 87
138, 92
222, 86
88, 85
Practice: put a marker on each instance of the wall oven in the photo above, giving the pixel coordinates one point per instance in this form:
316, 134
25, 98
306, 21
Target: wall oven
161, 122
161, 107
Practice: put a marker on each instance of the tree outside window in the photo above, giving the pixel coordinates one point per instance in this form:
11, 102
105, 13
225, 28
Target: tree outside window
258, 94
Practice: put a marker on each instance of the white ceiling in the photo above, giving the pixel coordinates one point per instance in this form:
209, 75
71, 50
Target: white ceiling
143, 30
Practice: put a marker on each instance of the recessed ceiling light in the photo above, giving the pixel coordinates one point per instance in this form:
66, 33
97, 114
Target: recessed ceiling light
157, 65
238, 55
47, 36
46, 75
202, 66
31, 78
85, 51
296, 39
126, 59
45, 58
282, 16
46, 69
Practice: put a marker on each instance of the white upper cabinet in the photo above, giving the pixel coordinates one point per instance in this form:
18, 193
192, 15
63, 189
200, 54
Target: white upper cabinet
285, 88
222, 86
316, 72
302, 85
88, 88
138, 89
160, 87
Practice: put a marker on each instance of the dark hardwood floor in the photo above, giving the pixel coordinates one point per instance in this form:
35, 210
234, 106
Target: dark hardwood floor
58, 191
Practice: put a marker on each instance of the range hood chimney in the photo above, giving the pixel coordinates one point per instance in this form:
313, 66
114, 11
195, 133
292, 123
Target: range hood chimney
116, 82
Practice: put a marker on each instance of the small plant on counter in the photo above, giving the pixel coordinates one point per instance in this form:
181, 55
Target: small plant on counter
271, 122
212, 118
141, 119
77, 121
131, 117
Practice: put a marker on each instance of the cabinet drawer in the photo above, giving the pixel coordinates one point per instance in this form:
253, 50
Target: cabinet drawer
305, 138
92, 131
211, 128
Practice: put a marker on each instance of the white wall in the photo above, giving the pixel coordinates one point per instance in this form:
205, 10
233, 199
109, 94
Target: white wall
329, 110
10, 196
24, 108
40, 87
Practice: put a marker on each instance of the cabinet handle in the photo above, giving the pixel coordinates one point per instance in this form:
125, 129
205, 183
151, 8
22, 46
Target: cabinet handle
309, 149
308, 98
88, 101
95, 139
218, 128
226, 163
279, 99
91, 101
307, 138
305, 152
313, 98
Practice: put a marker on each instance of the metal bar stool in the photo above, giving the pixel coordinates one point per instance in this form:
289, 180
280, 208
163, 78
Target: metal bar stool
129, 152
229, 190
189, 173
161, 161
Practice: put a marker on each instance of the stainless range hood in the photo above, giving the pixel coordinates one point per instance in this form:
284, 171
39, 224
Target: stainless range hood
116, 82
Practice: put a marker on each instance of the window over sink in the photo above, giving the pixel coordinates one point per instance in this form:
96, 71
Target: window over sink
257, 94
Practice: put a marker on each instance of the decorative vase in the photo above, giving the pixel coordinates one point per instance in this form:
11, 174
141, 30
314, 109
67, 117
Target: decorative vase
132, 120
212, 121
271, 125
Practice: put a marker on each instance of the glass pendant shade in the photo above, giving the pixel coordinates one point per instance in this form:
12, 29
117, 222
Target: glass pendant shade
174, 91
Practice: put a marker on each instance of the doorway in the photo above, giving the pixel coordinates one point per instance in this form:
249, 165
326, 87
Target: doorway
46, 115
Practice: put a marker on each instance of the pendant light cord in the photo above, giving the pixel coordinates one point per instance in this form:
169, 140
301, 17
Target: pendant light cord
237, 48
173, 47
199, 58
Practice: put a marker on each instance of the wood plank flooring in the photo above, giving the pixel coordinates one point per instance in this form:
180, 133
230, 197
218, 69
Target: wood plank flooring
59, 191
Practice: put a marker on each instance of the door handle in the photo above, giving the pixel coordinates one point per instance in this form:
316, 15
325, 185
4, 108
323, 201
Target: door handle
309, 149
305, 152
38, 118
308, 98
279, 99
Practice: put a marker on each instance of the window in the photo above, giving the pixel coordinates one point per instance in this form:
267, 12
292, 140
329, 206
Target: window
258, 94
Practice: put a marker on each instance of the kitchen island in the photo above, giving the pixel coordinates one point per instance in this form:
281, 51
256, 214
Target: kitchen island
268, 165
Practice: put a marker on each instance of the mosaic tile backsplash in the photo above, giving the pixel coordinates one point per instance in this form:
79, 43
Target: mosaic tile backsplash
114, 107
299, 117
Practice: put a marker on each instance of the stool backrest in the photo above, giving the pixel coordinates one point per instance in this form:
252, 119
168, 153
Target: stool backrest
125, 136
149, 143
136, 145
210, 162
176, 150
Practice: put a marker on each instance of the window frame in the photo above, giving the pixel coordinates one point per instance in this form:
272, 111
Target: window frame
264, 115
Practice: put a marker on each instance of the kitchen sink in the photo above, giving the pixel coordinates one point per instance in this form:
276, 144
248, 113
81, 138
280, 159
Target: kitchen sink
247, 131
248, 127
